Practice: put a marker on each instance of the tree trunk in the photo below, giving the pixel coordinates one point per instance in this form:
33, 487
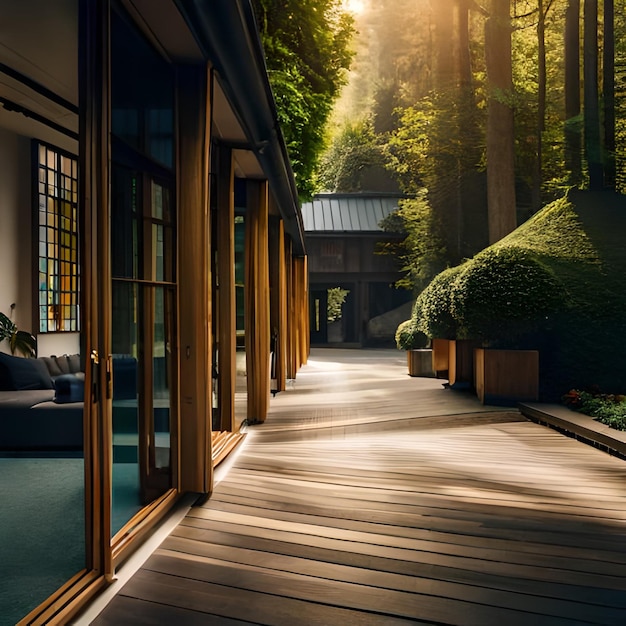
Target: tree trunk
500, 123
608, 87
445, 75
474, 235
541, 104
593, 149
573, 139
445, 195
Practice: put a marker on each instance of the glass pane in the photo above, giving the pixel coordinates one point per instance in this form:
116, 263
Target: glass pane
125, 193
142, 88
157, 201
157, 252
161, 368
126, 497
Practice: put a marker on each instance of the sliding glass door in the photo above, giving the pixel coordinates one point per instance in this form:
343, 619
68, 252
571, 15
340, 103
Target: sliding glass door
143, 311
143, 324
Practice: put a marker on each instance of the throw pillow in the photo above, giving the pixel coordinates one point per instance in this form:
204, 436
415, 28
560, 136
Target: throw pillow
62, 363
69, 388
74, 363
21, 373
52, 365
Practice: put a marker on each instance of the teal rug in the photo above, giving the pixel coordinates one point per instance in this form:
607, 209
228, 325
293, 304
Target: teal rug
42, 526
42, 530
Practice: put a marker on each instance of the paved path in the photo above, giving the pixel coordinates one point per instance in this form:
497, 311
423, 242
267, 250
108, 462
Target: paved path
369, 497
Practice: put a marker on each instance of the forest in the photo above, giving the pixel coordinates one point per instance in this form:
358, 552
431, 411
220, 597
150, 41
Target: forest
482, 112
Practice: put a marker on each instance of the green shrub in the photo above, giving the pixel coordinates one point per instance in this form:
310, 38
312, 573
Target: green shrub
432, 313
504, 294
408, 337
607, 409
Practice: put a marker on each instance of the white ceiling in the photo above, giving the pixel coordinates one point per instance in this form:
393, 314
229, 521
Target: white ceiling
39, 39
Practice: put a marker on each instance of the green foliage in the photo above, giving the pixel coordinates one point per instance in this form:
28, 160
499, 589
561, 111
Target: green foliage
554, 284
408, 337
504, 294
307, 49
336, 298
421, 252
350, 157
19, 340
609, 409
432, 313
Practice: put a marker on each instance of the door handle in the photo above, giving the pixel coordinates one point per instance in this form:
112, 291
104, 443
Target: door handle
95, 370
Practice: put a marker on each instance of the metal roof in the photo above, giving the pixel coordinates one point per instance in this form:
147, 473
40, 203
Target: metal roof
348, 212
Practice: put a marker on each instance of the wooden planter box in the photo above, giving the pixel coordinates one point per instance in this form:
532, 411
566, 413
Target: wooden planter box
420, 362
440, 353
506, 377
461, 362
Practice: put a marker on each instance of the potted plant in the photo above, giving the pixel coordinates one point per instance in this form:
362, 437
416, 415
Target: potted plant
419, 355
506, 299
19, 340
432, 315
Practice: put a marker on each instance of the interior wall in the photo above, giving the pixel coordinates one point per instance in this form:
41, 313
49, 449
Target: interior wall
58, 343
15, 233
16, 254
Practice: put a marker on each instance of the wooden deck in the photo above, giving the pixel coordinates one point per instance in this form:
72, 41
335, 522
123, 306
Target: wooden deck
369, 497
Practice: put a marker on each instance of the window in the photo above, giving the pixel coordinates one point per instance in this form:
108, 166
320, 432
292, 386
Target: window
57, 217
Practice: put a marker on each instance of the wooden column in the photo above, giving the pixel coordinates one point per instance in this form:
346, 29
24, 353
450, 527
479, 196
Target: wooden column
291, 311
257, 302
278, 300
306, 317
301, 306
226, 314
194, 292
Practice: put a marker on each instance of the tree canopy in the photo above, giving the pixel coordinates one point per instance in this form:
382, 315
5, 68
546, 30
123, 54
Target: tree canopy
307, 49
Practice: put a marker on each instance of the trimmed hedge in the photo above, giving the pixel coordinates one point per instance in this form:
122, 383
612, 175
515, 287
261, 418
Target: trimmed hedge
408, 337
555, 284
432, 313
505, 294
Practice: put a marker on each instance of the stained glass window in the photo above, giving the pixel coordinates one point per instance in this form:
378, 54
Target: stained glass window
58, 262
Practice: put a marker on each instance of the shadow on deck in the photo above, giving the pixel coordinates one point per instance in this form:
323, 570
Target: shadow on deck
370, 497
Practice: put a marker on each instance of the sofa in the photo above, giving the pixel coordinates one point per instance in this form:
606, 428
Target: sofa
41, 403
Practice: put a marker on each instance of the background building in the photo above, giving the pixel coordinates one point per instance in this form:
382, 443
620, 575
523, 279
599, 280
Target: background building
347, 270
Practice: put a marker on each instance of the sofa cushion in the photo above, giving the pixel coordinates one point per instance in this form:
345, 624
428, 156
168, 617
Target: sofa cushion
69, 388
62, 363
18, 373
74, 363
52, 365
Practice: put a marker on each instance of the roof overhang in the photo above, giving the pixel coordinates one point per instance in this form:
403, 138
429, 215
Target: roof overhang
227, 34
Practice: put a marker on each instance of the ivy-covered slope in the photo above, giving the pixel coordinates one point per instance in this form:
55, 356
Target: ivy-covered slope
555, 284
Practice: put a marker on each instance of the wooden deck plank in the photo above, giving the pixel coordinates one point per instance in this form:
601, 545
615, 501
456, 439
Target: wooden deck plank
369, 497
394, 580
438, 602
391, 525
435, 568
128, 610
238, 603
548, 568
